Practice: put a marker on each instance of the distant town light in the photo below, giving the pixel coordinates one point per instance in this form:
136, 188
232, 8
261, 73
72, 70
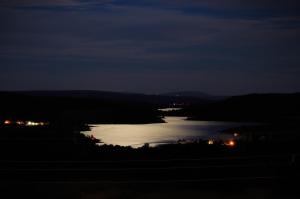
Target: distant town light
210, 141
235, 134
20, 122
25, 123
230, 143
7, 122
31, 123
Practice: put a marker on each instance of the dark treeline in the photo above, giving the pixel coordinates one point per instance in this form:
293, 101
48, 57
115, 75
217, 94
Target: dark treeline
75, 109
59, 153
158, 99
68, 112
248, 108
44, 158
88, 106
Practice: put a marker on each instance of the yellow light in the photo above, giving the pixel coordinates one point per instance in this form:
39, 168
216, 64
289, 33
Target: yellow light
20, 122
210, 141
30, 123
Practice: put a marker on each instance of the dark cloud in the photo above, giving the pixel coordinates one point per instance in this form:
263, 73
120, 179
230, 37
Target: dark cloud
51, 3
217, 4
238, 3
157, 46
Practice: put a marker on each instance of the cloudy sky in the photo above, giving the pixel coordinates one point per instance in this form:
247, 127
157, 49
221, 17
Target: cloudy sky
151, 46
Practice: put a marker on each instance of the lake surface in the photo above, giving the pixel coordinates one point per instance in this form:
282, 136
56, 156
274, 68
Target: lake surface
175, 128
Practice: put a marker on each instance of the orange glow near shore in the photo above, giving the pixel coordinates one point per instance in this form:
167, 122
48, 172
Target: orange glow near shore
7, 122
230, 143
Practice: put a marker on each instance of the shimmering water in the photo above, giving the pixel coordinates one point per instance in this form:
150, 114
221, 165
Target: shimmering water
175, 128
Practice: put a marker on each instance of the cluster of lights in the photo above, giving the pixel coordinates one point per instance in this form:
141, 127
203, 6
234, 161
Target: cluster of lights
25, 123
229, 143
31, 123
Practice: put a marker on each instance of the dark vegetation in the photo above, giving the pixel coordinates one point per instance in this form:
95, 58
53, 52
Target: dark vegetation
88, 106
194, 94
68, 112
249, 108
59, 162
75, 108
66, 143
48, 161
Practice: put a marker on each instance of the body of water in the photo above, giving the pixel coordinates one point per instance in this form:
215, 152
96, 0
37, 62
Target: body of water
175, 128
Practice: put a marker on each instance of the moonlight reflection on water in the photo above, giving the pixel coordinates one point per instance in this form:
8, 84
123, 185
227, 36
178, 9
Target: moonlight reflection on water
175, 128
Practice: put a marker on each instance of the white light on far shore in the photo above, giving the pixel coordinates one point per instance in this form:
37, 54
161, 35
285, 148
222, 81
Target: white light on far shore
210, 141
25, 123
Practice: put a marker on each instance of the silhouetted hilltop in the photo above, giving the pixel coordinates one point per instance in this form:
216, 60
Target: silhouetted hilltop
253, 107
71, 107
194, 94
158, 100
113, 107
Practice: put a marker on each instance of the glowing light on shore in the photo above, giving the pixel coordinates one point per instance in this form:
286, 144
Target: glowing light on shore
7, 122
32, 123
25, 123
210, 141
230, 143
20, 123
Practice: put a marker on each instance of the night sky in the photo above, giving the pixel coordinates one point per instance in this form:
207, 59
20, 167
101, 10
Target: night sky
214, 46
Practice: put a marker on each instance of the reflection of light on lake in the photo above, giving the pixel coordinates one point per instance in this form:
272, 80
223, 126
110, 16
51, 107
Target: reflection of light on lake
174, 129
169, 109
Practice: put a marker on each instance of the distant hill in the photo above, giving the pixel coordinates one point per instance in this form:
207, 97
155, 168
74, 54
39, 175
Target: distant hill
75, 106
194, 94
253, 107
110, 107
87, 106
159, 100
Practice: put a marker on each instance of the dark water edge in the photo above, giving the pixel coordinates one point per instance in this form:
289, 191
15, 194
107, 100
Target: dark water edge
174, 130
56, 162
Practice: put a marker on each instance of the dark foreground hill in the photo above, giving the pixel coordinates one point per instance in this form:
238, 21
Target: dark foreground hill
57, 161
